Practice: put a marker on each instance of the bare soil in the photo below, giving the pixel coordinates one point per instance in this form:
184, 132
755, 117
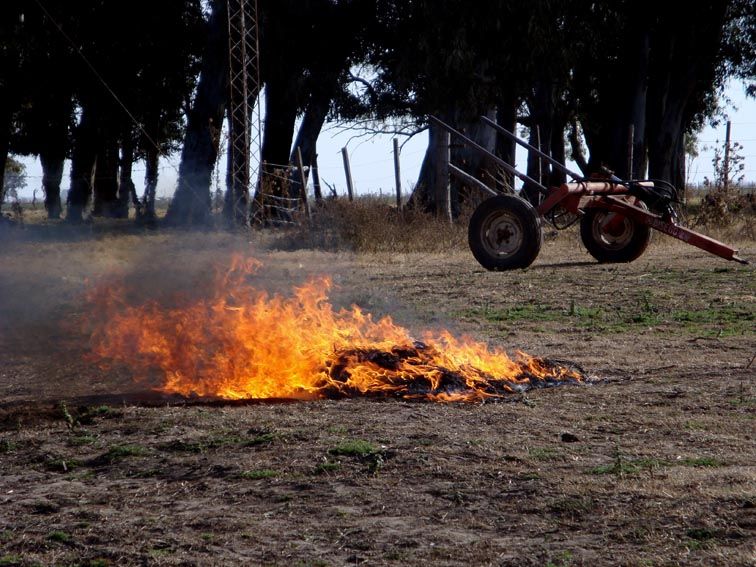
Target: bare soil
653, 463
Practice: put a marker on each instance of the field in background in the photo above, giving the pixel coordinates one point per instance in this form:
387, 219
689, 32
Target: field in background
653, 464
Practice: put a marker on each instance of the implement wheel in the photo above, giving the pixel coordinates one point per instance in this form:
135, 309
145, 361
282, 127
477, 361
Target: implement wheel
505, 233
611, 238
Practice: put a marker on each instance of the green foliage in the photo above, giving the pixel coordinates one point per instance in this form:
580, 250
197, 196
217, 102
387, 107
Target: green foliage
119, 452
14, 180
644, 312
356, 447
59, 536
326, 467
258, 474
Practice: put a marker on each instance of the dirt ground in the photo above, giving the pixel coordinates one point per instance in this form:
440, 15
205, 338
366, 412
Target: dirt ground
653, 463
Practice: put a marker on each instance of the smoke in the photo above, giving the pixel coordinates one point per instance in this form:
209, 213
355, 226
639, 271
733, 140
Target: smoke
45, 276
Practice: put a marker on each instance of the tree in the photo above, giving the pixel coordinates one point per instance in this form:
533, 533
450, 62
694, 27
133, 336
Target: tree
191, 202
13, 181
11, 61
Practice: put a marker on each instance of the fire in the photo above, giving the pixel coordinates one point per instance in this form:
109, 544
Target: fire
243, 343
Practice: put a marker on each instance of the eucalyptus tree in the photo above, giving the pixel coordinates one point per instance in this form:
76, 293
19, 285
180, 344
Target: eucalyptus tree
191, 201
307, 51
11, 62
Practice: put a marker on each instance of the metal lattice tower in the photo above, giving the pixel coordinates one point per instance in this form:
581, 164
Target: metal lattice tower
243, 110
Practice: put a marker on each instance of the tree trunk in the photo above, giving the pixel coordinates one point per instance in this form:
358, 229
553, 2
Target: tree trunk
631, 102
621, 102
638, 104
684, 63
126, 187
5, 126
506, 116
52, 176
576, 147
316, 188
558, 153
106, 177
280, 118
82, 164
311, 126
151, 172
542, 107
191, 203
463, 156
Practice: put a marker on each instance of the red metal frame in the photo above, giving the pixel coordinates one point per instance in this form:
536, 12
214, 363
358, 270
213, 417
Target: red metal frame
607, 195
611, 195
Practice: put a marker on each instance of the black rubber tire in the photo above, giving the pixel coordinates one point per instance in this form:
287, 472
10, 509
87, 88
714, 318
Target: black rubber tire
607, 248
505, 233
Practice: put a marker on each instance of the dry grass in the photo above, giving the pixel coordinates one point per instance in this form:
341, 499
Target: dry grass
370, 225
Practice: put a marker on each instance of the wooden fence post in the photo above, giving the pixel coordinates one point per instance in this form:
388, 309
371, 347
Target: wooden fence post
316, 180
348, 174
726, 180
443, 185
630, 151
397, 176
303, 183
540, 149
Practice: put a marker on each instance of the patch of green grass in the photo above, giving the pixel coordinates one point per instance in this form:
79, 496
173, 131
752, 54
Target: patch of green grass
720, 320
6, 536
61, 464
544, 454
7, 446
700, 534
518, 313
356, 447
119, 452
258, 474
564, 559
216, 442
326, 467
699, 538
82, 439
11, 560
622, 466
262, 439
529, 476
701, 462
88, 415
646, 310
59, 536
617, 467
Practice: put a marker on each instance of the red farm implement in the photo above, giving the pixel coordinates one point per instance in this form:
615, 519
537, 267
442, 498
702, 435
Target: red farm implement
616, 216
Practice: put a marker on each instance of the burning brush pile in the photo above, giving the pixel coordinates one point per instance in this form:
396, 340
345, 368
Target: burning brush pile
243, 343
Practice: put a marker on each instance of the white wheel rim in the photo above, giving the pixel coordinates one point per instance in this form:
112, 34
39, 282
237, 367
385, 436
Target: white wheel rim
611, 241
502, 234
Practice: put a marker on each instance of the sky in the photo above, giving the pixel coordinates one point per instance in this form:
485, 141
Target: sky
372, 162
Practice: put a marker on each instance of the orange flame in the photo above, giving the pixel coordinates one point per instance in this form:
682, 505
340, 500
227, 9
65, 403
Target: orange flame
242, 343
